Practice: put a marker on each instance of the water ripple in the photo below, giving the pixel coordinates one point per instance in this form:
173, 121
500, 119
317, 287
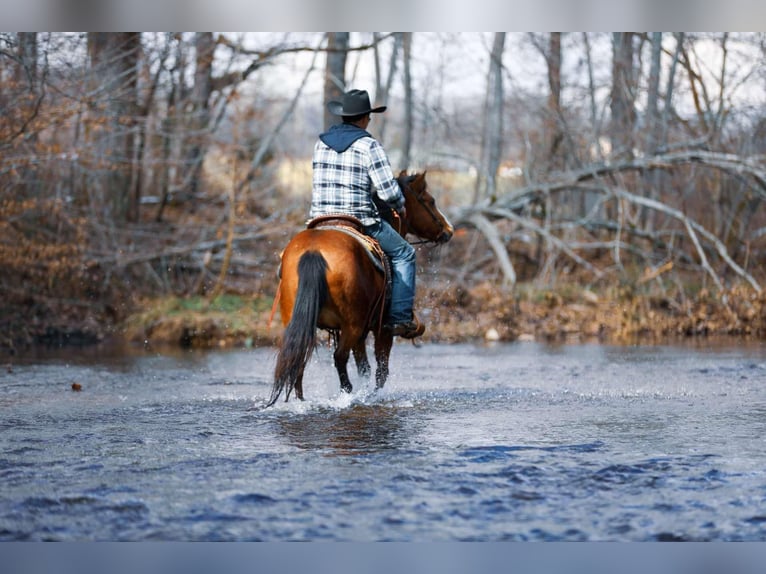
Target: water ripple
503, 443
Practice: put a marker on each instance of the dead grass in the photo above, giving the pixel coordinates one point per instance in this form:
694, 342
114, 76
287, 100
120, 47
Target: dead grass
614, 315
227, 321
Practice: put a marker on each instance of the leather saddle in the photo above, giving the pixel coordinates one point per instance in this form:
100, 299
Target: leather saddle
352, 226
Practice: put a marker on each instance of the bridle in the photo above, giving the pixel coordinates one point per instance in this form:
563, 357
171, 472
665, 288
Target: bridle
402, 224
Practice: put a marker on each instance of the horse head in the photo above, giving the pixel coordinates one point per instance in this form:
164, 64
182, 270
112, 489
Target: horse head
424, 218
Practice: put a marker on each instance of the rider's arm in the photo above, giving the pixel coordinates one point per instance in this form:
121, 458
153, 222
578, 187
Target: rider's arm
383, 177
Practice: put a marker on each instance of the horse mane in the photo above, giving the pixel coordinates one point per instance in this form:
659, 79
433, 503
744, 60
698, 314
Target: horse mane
385, 210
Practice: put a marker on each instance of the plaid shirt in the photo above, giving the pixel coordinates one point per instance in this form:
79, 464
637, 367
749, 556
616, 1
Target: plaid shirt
343, 182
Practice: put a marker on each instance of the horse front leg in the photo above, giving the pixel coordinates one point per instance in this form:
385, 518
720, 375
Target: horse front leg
383, 343
360, 357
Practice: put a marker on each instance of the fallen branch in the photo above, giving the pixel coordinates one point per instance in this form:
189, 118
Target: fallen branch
561, 244
512, 205
121, 261
725, 162
693, 228
489, 231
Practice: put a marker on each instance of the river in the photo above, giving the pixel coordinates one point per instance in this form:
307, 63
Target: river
466, 442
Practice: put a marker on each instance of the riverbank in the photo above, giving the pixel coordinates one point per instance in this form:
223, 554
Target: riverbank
455, 314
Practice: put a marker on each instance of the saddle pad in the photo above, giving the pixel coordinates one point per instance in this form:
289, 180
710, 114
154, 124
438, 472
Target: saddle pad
371, 247
350, 225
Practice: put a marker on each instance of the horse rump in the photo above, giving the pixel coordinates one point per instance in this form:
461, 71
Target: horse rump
299, 338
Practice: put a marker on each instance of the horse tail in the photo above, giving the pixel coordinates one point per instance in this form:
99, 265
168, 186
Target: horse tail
299, 338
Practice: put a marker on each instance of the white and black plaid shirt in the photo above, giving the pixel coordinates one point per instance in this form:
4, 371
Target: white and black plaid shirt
343, 182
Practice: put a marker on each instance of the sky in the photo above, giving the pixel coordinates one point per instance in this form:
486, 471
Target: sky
458, 61
453, 65
406, 15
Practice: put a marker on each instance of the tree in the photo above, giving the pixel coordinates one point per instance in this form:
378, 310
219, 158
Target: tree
382, 90
198, 119
409, 122
114, 61
27, 69
492, 140
335, 71
623, 94
653, 123
553, 128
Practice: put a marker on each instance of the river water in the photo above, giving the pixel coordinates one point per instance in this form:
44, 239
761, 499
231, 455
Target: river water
466, 442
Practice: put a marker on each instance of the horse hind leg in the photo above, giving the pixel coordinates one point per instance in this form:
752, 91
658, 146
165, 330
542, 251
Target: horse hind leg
341, 363
384, 340
298, 385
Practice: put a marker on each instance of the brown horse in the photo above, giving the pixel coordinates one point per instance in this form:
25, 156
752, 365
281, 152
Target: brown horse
329, 281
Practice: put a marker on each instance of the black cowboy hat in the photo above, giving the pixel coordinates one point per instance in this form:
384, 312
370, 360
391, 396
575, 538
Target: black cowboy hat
353, 103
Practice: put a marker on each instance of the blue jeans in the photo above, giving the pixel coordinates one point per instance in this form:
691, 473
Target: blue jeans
402, 256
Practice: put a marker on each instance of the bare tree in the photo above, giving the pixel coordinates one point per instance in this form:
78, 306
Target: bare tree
198, 118
623, 94
27, 69
408, 100
653, 94
653, 122
383, 90
492, 140
554, 130
335, 71
114, 61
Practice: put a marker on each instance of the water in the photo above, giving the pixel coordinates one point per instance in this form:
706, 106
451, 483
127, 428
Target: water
505, 442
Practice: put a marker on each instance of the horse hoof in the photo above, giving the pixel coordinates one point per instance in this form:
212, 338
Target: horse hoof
347, 389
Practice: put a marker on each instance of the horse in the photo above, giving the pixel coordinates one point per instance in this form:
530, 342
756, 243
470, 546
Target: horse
329, 281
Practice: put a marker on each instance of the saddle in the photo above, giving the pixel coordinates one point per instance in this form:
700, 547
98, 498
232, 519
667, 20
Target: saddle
352, 226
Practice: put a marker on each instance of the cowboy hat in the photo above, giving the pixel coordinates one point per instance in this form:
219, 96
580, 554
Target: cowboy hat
353, 103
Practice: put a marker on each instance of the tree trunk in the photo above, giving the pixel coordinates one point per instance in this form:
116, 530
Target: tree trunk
555, 134
199, 119
492, 141
594, 119
382, 97
653, 95
335, 72
27, 71
408, 101
669, 91
29, 101
171, 127
114, 68
622, 95
654, 181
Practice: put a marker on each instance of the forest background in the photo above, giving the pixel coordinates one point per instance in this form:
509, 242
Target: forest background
605, 186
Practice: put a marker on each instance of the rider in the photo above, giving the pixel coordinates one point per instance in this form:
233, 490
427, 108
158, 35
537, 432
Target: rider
349, 165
